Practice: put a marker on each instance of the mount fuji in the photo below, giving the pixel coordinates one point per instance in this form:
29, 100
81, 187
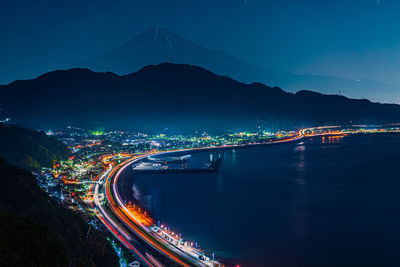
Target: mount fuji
159, 45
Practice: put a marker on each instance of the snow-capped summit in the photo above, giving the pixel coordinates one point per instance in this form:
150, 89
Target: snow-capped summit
161, 37
159, 45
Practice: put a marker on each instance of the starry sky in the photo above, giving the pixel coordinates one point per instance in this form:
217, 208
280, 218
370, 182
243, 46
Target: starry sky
356, 39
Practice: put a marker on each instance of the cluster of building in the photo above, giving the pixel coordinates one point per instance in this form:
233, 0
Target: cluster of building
69, 181
93, 151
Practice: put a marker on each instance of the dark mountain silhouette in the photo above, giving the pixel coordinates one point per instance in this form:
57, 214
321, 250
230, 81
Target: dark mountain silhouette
29, 149
177, 96
159, 45
37, 231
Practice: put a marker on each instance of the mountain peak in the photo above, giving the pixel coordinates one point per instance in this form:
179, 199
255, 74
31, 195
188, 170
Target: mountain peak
161, 37
158, 30
159, 45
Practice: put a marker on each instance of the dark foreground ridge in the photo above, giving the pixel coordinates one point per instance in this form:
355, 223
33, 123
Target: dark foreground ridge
30, 149
185, 96
36, 231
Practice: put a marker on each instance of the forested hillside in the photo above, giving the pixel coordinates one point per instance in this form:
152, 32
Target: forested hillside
30, 149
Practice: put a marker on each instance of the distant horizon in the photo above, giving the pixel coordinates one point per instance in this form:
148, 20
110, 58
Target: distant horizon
353, 40
72, 64
131, 55
158, 133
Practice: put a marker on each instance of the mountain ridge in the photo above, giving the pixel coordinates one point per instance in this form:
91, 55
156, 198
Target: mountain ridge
180, 97
153, 46
35, 229
29, 149
60, 237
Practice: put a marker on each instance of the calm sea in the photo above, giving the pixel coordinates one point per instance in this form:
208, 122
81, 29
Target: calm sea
319, 202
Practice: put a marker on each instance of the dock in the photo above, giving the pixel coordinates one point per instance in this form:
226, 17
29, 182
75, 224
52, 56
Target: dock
210, 167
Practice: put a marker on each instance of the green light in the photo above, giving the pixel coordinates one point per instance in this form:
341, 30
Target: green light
97, 133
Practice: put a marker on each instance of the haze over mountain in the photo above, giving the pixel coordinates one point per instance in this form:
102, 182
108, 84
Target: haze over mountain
178, 97
159, 45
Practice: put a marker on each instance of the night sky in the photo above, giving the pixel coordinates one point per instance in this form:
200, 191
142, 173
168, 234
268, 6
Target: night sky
357, 39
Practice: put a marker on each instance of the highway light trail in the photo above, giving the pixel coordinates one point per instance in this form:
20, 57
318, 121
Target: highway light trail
134, 225
123, 223
123, 214
111, 225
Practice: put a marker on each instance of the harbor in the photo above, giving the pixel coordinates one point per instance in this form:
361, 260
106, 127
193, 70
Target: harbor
177, 164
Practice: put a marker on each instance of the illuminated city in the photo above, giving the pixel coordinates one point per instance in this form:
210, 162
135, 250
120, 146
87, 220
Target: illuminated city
231, 133
86, 182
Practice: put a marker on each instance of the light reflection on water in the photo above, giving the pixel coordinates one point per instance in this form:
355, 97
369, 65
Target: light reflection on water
300, 213
302, 199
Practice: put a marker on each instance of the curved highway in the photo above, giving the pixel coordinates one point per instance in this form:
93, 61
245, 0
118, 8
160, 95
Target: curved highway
150, 247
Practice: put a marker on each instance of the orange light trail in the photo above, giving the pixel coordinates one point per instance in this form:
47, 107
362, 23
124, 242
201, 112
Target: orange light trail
134, 221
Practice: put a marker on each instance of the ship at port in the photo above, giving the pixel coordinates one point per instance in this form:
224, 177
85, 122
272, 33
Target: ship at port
175, 164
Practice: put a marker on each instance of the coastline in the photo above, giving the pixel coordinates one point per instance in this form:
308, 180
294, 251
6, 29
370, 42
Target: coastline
301, 135
114, 182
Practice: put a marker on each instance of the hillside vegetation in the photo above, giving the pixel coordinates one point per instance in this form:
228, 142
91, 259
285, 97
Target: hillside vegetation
37, 231
30, 149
